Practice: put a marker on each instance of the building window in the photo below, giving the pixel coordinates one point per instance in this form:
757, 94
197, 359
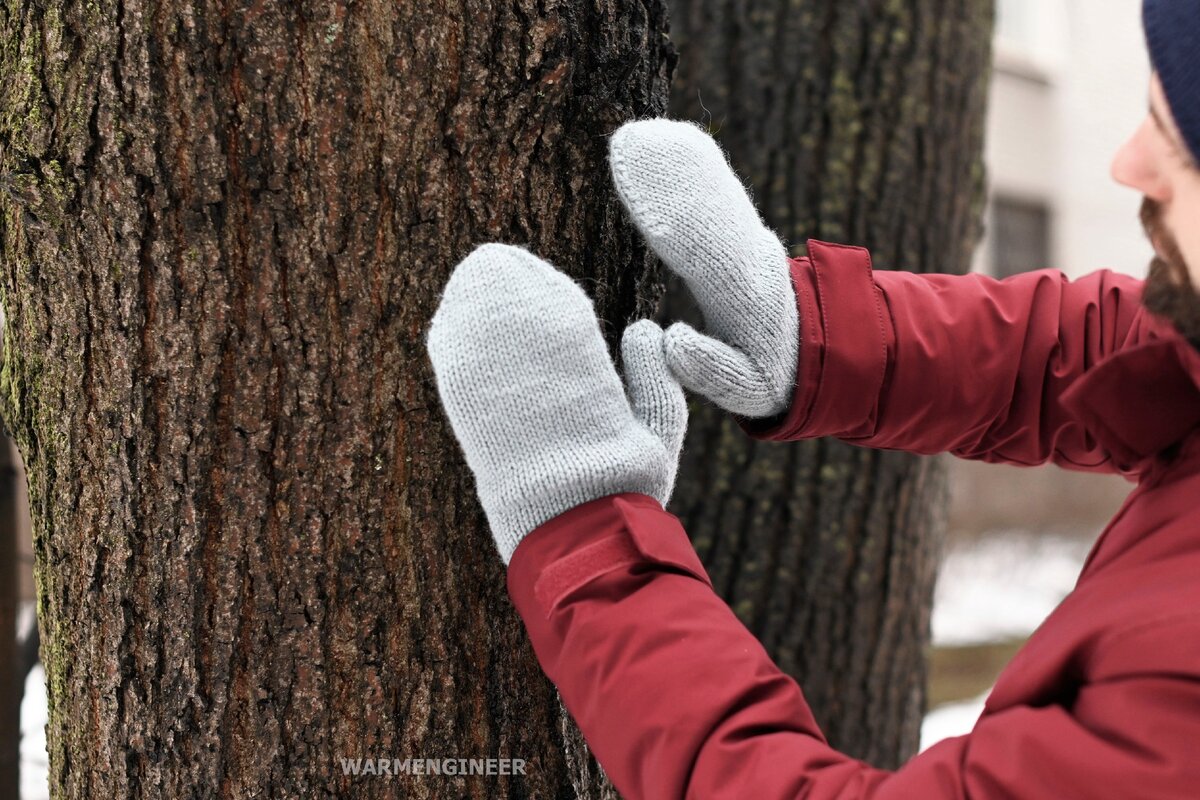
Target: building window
1031, 37
1020, 236
1017, 25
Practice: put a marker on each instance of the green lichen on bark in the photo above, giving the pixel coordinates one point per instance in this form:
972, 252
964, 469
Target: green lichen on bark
223, 227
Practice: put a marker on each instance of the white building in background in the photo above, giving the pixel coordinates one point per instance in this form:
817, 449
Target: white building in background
1070, 84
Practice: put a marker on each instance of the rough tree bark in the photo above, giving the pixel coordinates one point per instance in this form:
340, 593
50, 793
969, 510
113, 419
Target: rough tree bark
859, 123
224, 228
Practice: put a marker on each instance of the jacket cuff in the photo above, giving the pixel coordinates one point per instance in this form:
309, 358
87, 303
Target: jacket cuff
568, 552
845, 336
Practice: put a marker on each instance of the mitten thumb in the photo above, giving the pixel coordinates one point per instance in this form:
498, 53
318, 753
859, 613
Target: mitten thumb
724, 375
655, 396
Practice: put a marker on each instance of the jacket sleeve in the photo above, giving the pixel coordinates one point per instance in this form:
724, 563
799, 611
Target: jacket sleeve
678, 700
965, 364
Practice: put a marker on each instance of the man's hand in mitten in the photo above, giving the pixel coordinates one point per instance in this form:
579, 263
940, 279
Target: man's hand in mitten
533, 398
682, 195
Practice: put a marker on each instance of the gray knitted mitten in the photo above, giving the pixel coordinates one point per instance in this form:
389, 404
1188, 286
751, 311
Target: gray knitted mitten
534, 400
698, 218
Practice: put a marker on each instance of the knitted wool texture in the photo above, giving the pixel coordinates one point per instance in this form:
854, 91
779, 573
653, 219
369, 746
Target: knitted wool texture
1173, 38
694, 213
533, 398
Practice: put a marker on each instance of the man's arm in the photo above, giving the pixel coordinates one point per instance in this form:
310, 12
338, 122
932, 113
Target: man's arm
824, 346
678, 700
969, 364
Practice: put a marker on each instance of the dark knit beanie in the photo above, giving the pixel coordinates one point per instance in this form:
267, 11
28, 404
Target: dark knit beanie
1173, 35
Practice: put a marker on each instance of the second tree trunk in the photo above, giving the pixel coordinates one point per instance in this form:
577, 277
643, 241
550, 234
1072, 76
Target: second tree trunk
859, 123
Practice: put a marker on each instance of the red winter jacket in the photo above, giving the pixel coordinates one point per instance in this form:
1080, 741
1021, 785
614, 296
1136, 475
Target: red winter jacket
678, 699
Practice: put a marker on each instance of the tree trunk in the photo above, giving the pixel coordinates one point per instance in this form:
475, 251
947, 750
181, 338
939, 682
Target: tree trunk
224, 228
859, 123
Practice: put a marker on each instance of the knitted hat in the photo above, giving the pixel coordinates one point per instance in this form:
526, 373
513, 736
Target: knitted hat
1173, 35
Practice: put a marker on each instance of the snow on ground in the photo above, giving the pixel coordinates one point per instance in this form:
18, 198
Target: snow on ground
993, 589
952, 719
34, 763
1001, 587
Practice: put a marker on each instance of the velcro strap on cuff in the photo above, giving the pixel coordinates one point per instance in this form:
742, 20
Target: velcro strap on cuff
648, 536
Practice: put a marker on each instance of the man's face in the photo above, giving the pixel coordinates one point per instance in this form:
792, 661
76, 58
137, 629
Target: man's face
1156, 162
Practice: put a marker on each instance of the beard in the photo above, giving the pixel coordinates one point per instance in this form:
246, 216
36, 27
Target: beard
1169, 292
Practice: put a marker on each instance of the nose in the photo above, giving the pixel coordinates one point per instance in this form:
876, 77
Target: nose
1134, 165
